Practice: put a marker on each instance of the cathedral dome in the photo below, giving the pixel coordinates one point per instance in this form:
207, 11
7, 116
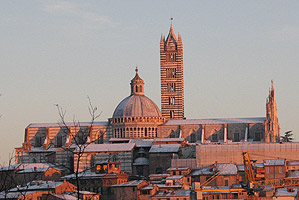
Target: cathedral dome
137, 106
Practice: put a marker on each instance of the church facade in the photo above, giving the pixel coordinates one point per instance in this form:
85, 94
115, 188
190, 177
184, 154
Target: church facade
137, 117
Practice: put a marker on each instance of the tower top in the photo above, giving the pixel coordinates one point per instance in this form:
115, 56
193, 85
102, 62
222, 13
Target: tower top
137, 84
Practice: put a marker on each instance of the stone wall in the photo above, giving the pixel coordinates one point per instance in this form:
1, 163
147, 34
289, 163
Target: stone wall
232, 153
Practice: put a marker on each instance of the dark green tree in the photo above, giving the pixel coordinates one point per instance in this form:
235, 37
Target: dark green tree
287, 137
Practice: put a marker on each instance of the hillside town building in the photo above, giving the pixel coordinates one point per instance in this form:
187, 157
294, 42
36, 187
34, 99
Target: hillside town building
140, 141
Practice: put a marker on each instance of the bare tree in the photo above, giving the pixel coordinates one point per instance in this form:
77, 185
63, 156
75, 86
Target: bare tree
78, 136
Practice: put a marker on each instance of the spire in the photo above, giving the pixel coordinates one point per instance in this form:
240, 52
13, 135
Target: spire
171, 34
162, 39
137, 84
272, 127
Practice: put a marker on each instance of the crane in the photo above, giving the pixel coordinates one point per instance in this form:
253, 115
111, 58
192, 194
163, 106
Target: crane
252, 187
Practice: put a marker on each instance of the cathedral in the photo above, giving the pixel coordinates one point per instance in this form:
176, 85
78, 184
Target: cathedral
138, 118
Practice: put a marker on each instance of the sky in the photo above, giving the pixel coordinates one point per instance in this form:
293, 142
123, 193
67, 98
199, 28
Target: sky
61, 52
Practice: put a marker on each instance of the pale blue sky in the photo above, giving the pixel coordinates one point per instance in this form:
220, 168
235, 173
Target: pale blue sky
59, 52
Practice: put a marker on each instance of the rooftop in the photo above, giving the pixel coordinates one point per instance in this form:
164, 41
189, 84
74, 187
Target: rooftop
274, 162
165, 148
119, 147
129, 184
46, 125
217, 121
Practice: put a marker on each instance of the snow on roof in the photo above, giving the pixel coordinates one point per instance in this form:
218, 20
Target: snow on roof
273, 162
173, 193
284, 192
241, 167
141, 161
87, 192
41, 149
129, 184
217, 121
32, 170
12, 195
228, 169
10, 167
165, 148
174, 177
24, 166
169, 140
84, 175
177, 168
293, 162
202, 171
293, 173
37, 185
108, 147
44, 125
142, 143
119, 140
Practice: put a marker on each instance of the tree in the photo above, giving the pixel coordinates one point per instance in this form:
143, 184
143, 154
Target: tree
79, 136
287, 137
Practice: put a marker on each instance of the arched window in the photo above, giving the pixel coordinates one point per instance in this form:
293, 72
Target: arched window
136, 88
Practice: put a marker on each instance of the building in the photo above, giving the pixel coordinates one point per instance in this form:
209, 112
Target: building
138, 118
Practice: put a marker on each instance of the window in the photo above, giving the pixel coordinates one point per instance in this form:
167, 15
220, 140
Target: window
225, 182
59, 140
280, 170
171, 73
268, 170
171, 57
236, 137
171, 100
171, 114
38, 141
171, 87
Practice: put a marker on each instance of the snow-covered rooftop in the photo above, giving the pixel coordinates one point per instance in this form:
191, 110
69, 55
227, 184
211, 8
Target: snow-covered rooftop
293, 162
173, 193
108, 147
284, 192
202, 171
165, 148
217, 121
273, 162
227, 169
129, 184
84, 175
142, 143
70, 124
169, 140
177, 168
37, 185
174, 177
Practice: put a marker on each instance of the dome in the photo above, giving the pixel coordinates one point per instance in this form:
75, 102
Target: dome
141, 161
137, 106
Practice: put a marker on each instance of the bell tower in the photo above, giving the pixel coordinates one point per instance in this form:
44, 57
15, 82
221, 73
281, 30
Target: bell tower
172, 76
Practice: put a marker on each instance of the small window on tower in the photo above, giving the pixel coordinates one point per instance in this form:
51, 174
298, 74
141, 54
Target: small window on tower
171, 114
171, 87
171, 100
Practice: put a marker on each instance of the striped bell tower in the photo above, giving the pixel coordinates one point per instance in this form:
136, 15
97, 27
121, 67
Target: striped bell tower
172, 76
